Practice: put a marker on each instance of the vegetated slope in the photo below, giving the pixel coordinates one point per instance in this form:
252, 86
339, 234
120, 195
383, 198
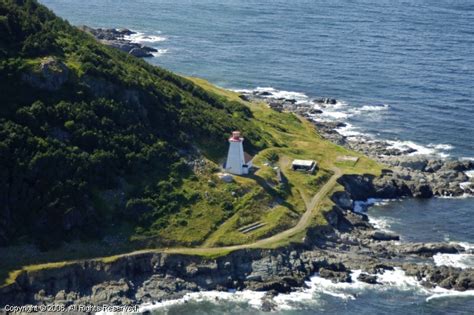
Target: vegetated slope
91, 137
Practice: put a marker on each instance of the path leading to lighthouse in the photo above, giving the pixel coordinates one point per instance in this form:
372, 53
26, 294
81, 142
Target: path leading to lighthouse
274, 241
303, 223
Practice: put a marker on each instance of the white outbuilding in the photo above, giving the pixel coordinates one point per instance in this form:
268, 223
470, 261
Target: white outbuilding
307, 166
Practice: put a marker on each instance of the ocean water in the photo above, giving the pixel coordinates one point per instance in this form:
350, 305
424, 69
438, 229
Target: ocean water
402, 69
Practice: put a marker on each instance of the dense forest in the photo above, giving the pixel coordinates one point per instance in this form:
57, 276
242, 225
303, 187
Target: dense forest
78, 119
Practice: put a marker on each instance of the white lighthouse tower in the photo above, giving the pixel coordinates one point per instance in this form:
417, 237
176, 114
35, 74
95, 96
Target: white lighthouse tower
238, 162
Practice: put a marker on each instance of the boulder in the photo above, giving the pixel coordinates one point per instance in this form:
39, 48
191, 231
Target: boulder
335, 276
325, 100
226, 177
377, 267
378, 235
433, 166
414, 163
364, 277
459, 165
245, 97
314, 111
140, 52
357, 220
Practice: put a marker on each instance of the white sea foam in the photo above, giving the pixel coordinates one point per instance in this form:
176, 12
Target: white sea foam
315, 289
381, 223
361, 206
468, 247
470, 173
390, 279
252, 298
368, 109
159, 52
454, 260
299, 97
335, 115
397, 278
372, 108
443, 147
463, 196
439, 293
430, 149
405, 145
341, 111
463, 261
349, 131
140, 38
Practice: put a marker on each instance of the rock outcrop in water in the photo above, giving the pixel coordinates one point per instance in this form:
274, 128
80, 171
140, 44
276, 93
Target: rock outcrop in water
116, 38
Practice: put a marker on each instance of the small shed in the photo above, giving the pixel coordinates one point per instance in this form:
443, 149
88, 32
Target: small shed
307, 166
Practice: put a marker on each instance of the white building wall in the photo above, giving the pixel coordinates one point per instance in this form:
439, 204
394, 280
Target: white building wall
235, 158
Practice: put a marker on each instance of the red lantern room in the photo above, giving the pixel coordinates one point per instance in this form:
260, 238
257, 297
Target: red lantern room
235, 137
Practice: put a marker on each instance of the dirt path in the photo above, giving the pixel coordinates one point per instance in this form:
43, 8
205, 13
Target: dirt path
302, 224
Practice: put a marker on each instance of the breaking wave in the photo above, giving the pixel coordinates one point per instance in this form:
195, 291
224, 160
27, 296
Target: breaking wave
160, 52
389, 280
342, 112
463, 261
142, 38
252, 298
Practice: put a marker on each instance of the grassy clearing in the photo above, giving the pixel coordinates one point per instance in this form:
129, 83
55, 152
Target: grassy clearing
297, 138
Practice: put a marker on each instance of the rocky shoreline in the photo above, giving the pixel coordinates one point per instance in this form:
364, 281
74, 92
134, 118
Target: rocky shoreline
349, 242
117, 38
410, 175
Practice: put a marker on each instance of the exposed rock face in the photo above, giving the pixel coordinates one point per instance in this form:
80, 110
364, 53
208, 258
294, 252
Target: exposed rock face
403, 182
107, 33
343, 200
430, 249
335, 276
359, 187
50, 76
116, 38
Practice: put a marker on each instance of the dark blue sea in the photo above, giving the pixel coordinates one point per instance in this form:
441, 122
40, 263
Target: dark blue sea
403, 70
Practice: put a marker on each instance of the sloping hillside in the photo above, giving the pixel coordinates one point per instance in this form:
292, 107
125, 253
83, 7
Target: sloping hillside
91, 137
